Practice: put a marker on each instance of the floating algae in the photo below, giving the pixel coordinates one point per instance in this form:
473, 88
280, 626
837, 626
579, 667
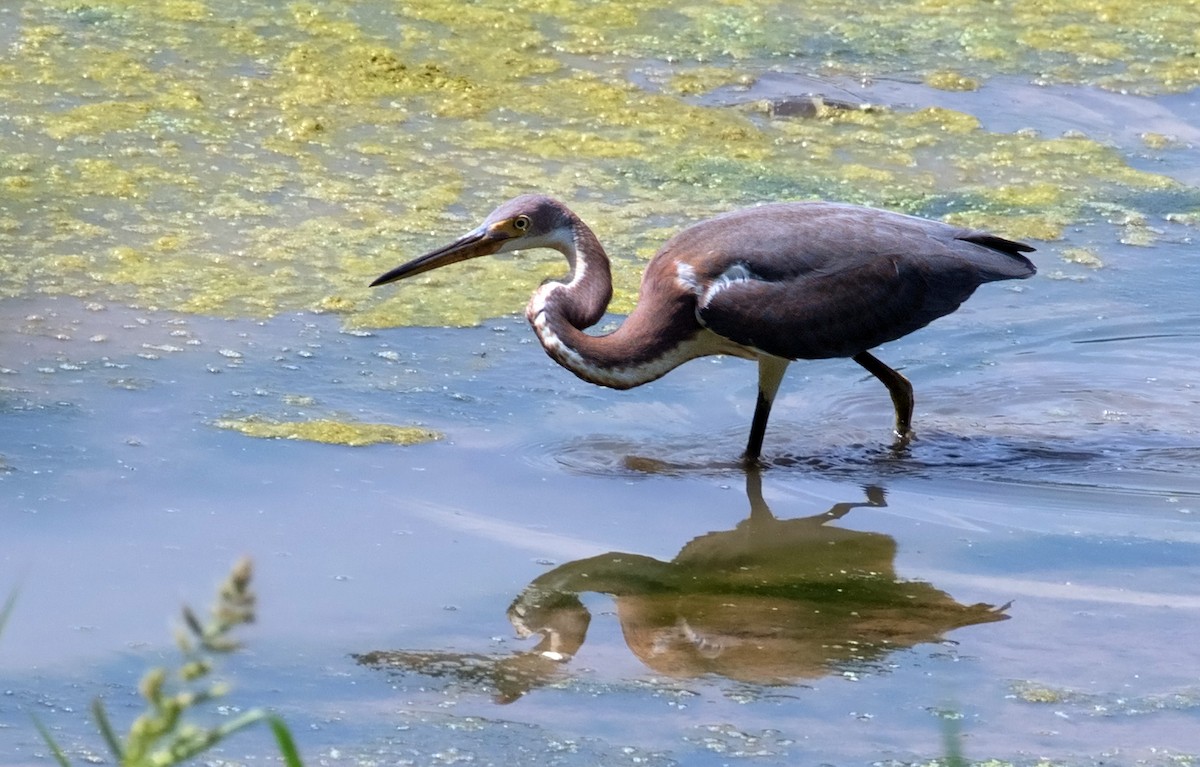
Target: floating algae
1106, 704
330, 432
234, 160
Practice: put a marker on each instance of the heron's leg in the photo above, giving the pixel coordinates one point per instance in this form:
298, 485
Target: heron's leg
898, 386
770, 374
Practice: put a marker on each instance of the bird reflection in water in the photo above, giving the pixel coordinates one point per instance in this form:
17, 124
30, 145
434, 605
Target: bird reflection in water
772, 601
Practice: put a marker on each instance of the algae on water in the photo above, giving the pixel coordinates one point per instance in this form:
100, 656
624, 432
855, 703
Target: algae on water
236, 159
330, 432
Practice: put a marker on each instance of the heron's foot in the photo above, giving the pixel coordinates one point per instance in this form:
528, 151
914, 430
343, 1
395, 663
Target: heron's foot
902, 441
752, 461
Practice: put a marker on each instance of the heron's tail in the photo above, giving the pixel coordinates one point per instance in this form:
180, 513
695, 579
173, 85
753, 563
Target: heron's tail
1002, 260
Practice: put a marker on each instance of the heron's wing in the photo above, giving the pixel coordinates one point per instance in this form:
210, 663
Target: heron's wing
815, 281
820, 315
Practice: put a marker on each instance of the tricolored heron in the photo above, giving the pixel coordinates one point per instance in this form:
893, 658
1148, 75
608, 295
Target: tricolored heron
775, 283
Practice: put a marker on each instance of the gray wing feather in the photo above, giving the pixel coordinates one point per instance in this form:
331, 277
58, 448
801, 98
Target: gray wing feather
815, 280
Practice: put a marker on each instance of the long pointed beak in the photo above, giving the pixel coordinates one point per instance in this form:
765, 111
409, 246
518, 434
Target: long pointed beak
473, 244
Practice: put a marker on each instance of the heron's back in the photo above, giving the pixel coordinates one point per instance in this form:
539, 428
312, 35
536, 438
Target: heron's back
814, 280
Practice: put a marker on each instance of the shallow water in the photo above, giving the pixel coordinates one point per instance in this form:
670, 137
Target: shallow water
1024, 574
386, 572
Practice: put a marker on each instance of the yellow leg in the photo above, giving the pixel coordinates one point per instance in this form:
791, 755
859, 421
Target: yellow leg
770, 374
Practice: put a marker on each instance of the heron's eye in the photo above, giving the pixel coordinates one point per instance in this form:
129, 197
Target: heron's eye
521, 223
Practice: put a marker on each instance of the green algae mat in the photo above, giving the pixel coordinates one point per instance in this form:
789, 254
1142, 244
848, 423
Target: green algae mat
233, 159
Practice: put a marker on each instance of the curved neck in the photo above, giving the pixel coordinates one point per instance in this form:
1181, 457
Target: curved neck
658, 336
582, 299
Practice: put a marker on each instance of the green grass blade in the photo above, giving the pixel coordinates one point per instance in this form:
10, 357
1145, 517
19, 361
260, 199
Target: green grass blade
6, 611
247, 719
106, 730
952, 742
59, 756
287, 745
193, 747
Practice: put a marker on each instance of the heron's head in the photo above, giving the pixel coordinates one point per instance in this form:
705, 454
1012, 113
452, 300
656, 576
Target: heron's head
530, 221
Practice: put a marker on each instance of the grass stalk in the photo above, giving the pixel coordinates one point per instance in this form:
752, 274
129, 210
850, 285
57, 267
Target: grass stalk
162, 735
